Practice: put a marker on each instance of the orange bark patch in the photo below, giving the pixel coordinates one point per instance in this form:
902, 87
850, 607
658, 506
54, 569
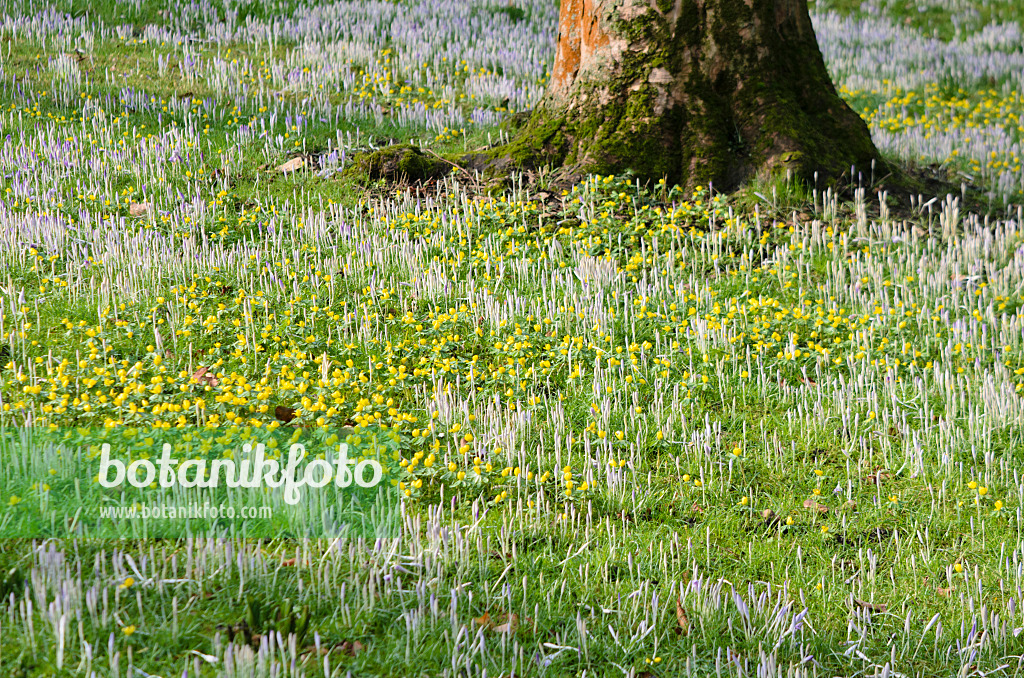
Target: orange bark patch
567, 56
594, 36
580, 38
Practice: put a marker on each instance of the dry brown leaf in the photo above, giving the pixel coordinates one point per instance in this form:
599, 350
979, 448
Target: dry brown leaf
812, 504
508, 626
205, 377
944, 592
874, 607
879, 477
351, 648
290, 562
139, 209
501, 622
292, 165
684, 621
284, 413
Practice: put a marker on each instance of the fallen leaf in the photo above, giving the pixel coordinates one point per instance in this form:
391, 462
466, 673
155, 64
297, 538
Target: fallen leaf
874, 607
501, 622
812, 504
208, 658
283, 413
292, 165
850, 505
290, 562
509, 626
684, 621
139, 209
205, 377
351, 648
880, 477
944, 592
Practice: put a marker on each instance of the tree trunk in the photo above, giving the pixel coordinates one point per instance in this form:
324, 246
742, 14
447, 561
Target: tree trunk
693, 91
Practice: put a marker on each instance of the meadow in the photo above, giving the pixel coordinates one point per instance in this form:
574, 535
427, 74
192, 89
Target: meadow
633, 431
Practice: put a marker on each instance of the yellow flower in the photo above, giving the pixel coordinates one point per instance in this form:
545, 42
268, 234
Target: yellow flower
128, 630
128, 582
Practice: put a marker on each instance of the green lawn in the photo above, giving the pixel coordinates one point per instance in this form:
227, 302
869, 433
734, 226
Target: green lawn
634, 431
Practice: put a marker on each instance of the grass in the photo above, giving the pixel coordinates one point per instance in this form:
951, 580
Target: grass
634, 431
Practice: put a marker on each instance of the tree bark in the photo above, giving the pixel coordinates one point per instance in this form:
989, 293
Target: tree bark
694, 91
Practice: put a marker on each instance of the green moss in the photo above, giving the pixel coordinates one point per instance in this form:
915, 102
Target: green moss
650, 27
730, 15
689, 22
403, 162
541, 141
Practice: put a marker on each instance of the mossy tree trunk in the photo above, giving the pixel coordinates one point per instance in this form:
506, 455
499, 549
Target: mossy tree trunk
694, 91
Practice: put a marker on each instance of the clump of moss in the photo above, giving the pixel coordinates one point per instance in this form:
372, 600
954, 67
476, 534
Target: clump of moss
403, 163
515, 14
